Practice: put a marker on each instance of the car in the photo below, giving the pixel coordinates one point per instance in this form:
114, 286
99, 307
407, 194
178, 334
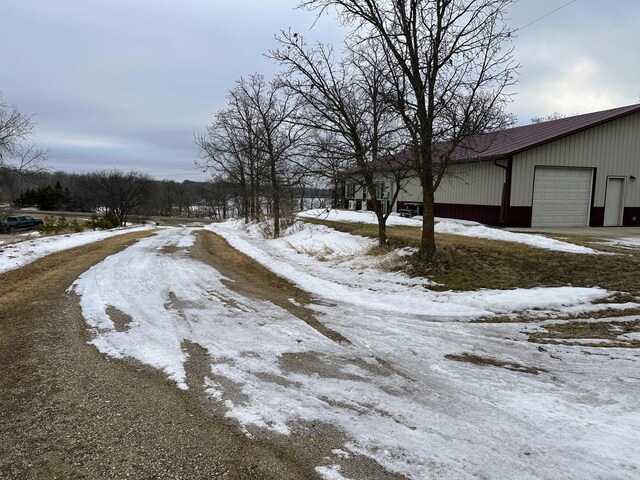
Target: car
13, 224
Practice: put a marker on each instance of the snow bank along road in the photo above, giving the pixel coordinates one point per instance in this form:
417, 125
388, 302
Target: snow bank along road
397, 391
18, 254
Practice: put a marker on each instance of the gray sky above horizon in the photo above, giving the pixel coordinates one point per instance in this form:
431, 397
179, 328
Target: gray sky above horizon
125, 84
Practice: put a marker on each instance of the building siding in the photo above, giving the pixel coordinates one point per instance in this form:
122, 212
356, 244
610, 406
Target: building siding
612, 149
472, 184
477, 183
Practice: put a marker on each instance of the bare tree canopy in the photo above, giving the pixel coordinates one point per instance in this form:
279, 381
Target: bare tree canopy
549, 117
254, 143
450, 64
17, 152
344, 103
120, 192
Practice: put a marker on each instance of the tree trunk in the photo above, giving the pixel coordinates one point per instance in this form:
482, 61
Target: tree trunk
428, 240
245, 199
276, 200
382, 231
377, 209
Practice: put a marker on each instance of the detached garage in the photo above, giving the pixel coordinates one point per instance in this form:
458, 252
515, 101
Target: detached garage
575, 171
561, 196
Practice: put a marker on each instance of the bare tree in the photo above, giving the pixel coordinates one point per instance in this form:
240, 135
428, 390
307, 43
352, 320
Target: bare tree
450, 71
17, 152
346, 104
254, 140
120, 192
278, 137
548, 117
229, 147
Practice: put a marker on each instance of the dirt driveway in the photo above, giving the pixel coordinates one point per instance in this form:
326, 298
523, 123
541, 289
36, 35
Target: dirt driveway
444, 397
67, 411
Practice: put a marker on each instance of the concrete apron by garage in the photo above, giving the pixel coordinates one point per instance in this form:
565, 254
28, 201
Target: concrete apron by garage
596, 232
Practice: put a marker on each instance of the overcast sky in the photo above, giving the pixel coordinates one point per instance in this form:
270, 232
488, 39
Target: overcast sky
125, 83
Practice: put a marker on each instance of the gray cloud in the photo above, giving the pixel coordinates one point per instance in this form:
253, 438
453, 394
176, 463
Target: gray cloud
125, 84
578, 59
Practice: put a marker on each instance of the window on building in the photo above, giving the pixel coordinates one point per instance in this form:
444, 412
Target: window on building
349, 190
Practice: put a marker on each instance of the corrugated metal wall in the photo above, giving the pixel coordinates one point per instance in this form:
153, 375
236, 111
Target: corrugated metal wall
613, 149
470, 183
412, 191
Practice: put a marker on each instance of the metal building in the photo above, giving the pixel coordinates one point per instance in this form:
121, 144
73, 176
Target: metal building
575, 171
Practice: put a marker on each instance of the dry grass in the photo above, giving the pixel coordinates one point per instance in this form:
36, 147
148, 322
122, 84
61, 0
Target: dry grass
589, 334
387, 258
466, 263
253, 280
494, 362
323, 255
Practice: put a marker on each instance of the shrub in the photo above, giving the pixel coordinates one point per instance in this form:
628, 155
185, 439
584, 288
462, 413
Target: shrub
105, 222
58, 225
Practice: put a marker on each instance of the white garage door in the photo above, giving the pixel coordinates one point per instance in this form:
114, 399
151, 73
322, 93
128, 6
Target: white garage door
561, 197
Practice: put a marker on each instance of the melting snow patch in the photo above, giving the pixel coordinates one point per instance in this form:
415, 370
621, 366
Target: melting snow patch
391, 392
362, 286
19, 254
331, 473
455, 227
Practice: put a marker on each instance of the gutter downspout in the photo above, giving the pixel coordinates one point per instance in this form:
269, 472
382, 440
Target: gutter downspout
506, 192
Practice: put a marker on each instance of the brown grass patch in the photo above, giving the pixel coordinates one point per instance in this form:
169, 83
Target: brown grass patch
252, 279
466, 263
23, 286
322, 255
386, 258
565, 333
494, 362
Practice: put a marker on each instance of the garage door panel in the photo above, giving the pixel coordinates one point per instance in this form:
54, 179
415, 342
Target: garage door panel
561, 197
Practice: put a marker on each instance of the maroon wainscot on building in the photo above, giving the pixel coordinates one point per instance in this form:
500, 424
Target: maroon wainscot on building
575, 171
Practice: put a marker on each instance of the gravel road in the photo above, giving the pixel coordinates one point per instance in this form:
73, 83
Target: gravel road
68, 411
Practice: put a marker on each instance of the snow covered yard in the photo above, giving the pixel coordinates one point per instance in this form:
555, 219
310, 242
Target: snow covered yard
418, 387
32, 246
448, 225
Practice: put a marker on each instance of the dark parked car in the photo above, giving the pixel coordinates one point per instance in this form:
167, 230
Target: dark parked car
13, 224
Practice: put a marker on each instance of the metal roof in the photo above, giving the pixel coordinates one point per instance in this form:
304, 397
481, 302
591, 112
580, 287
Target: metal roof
505, 143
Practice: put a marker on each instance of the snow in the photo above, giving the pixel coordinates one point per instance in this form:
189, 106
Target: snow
392, 392
356, 281
455, 227
632, 242
18, 254
331, 473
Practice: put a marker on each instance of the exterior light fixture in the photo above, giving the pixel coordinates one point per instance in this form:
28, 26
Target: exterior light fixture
632, 178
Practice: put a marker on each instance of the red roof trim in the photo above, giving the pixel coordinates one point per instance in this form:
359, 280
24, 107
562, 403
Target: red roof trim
507, 143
